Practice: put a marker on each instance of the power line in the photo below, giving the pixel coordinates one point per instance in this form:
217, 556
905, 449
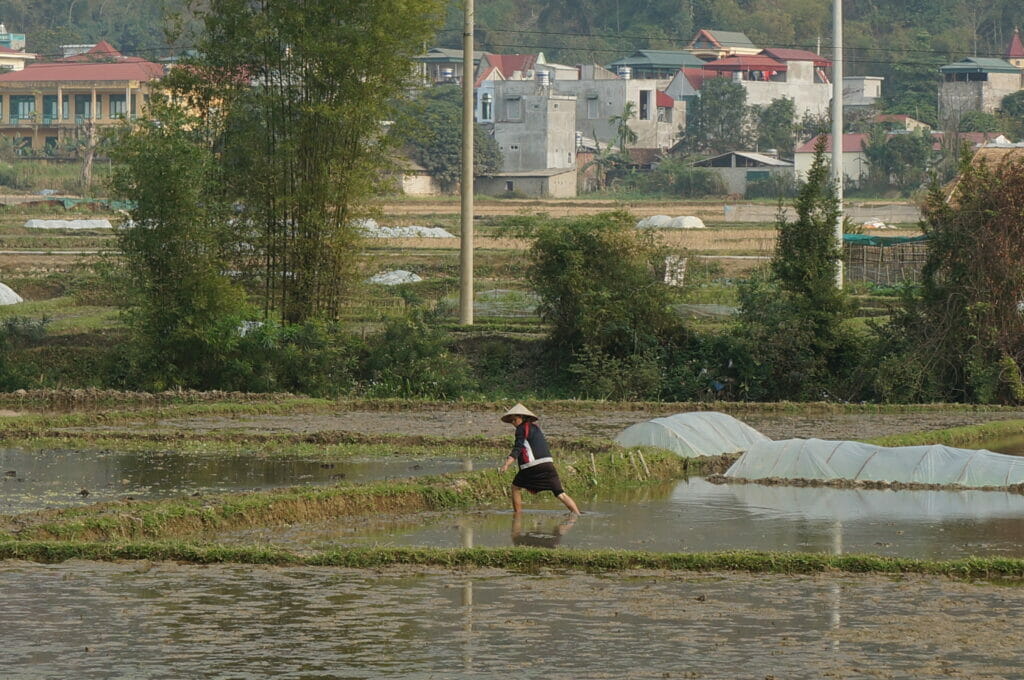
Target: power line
613, 36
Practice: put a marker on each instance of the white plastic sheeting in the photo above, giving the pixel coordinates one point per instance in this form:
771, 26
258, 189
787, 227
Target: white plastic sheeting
8, 296
701, 433
855, 461
371, 229
826, 504
67, 224
666, 222
395, 277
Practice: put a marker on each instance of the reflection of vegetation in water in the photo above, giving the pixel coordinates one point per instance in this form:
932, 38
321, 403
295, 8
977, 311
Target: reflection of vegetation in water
188, 516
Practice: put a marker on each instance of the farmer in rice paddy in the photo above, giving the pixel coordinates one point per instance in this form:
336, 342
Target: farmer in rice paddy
536, 467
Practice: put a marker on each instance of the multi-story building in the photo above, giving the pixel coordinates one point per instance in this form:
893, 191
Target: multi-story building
975, 84
46, 102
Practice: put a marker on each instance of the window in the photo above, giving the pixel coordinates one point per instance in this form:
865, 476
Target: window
592, 107
83, 107
485, 107
513, 108
50, 112
23, 107
664, 114
645, 105
118, 106
509, 186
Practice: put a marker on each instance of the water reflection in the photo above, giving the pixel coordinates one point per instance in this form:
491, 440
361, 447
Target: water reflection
33, 480
536, 536
134, 620
698, 516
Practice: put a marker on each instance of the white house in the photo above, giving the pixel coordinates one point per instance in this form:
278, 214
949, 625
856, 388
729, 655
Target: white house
855, 162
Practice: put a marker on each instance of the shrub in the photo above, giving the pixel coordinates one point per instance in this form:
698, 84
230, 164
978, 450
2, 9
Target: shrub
411, 359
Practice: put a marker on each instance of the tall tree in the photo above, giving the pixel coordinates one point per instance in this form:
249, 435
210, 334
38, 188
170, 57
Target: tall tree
304, 87
430, 129
776, 126
792, 321
719, 121
962, 337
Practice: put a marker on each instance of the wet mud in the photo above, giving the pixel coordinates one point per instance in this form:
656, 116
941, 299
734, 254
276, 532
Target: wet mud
146, 620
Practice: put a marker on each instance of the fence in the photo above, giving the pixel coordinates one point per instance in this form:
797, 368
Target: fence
884, 261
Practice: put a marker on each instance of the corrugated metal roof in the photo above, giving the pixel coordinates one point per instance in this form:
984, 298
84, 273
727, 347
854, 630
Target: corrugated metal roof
980, 65
787, 54
730, 38
659, 58
745, 62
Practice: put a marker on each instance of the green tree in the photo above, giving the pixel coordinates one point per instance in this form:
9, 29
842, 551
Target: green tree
430, 129
900, 160
960, 337
776, 125
791, 321
183, 308
303, 88
597, 285
719, 120
980, 121
623, 133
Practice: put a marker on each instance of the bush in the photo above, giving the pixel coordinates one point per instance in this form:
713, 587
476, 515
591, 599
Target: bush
677, 177
773, 186
601, 376
411, 359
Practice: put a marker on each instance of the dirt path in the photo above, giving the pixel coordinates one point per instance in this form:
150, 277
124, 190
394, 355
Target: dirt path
455, 422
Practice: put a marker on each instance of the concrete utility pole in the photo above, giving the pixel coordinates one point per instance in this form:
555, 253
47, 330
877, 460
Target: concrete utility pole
466, 245
837, 124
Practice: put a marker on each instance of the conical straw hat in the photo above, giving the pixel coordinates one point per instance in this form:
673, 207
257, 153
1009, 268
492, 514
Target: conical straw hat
518, 410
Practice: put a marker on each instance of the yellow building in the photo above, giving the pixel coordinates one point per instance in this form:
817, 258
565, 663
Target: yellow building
45, 103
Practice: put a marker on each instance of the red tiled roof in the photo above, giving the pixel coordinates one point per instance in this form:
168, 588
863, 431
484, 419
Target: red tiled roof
127, 68
787, 54
483, 76
971, 138
743, 62
695, 76
101, 51
852, 143
507, 64
1016, 49
664, 100
8, 50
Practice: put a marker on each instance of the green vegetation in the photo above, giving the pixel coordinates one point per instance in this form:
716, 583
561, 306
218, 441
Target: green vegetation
190, 516
430, 129
518, 559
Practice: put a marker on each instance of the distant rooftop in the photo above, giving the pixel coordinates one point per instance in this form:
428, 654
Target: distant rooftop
980, 65
672, 59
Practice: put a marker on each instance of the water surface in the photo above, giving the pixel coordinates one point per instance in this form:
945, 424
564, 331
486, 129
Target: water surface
696, 516
34, 480
136, 620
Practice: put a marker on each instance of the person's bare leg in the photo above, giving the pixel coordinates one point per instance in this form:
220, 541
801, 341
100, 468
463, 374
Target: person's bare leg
517, 499
569, 502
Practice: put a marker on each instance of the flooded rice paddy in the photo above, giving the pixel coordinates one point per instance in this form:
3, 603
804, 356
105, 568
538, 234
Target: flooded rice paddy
146, 620
33, 480
157, 621
697, 516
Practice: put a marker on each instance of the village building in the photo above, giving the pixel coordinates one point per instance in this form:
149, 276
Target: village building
740, 168
656, 64
980, 83
45, 102
711, 44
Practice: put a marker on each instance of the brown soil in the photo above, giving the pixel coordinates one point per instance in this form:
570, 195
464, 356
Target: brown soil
454, 421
